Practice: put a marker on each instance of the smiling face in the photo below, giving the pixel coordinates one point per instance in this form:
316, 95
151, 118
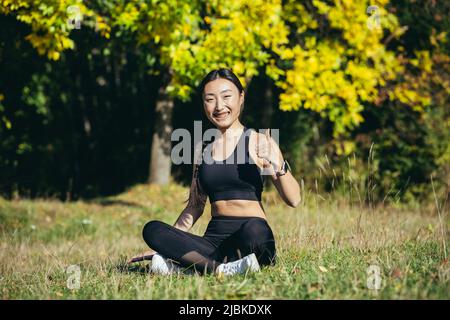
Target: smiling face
222, 102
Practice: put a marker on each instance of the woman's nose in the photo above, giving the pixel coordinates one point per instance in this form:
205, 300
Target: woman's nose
219, 105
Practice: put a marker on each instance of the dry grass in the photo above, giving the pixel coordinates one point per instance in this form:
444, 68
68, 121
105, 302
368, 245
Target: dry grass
324, 248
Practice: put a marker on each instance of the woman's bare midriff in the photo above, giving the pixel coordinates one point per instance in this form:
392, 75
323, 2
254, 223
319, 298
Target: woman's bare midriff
237, 208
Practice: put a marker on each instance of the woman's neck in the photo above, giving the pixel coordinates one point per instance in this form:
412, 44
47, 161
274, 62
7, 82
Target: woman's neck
232, 131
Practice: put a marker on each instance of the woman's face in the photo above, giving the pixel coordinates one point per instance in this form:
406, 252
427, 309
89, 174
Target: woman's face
222, 102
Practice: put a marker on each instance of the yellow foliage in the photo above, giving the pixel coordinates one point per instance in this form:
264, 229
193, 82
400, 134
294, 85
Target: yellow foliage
335, 75
48, 20
332, 64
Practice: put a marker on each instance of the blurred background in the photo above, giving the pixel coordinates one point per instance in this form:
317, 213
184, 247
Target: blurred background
90, 91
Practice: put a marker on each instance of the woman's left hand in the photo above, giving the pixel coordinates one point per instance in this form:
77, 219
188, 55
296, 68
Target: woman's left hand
147, 255
268, 150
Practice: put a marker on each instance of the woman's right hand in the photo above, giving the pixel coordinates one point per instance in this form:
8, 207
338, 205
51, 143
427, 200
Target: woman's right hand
147, 255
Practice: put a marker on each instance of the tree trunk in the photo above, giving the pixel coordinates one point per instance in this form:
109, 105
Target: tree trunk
266, 114
160, 161
267, 107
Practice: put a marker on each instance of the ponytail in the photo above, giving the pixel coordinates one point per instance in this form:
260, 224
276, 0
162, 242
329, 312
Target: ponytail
197, 196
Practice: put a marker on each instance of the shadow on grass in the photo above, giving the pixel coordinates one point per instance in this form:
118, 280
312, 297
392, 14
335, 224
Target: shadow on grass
110, 202
140, 268
144, 269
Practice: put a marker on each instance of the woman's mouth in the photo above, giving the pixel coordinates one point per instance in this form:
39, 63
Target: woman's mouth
221, 115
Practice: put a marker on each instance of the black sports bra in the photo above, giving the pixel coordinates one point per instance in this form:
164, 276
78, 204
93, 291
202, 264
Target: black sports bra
222, 180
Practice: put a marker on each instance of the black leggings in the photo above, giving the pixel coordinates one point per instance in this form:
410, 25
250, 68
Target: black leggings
226, 239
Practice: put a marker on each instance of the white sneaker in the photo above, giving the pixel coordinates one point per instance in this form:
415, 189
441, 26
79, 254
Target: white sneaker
247, 263
163, 266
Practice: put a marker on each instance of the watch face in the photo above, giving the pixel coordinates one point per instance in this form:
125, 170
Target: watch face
283, 169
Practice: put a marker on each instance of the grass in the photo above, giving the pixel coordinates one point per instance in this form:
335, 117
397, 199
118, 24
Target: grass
324, 247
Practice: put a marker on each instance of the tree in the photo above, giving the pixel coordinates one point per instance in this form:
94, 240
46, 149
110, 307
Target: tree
194, 37
339, 62
52, 21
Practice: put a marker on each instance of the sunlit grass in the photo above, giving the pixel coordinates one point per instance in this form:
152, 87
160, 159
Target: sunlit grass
324, 249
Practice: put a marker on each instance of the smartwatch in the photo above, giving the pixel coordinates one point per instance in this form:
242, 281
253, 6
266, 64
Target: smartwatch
285, 167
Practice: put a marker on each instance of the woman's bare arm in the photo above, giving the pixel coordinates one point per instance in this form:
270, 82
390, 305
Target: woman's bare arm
288, 188
192, 212
185, 221
272, 159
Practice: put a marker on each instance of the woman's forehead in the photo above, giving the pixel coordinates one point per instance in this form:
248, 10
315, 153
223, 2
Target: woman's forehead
219, 86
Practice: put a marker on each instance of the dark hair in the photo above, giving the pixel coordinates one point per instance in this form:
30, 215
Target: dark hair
197, 196
222, 73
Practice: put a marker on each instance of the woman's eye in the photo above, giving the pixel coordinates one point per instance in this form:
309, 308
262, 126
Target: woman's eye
227, 96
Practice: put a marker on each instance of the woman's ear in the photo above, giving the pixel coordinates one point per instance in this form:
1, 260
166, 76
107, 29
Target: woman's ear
242, 100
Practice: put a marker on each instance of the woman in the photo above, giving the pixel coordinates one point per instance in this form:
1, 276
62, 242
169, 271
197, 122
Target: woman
238, 238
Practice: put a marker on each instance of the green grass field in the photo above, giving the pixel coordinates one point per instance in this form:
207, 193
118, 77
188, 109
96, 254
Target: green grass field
325, 248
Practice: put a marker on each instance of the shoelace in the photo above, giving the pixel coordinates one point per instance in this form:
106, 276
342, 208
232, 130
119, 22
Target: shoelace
172, 266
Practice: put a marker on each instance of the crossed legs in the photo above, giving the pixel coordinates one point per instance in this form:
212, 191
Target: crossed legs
189, 250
